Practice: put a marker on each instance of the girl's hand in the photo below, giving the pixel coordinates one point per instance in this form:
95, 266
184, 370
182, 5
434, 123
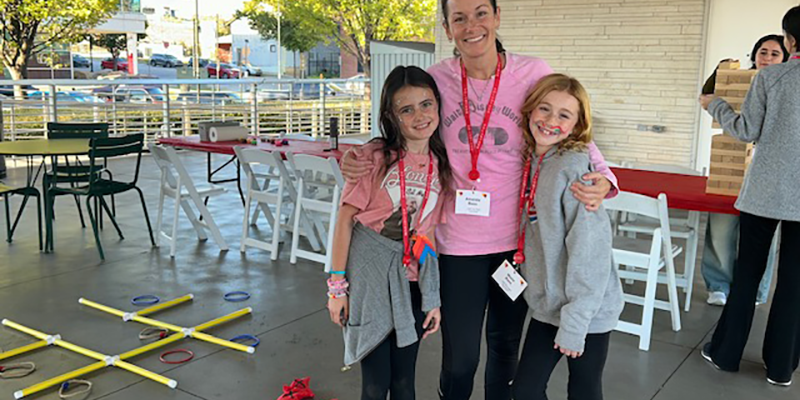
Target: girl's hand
706, 99
339, 310
432, 322
592, 196
568, 353
353, 167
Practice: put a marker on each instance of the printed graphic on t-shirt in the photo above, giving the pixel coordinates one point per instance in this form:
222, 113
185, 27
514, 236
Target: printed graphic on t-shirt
415, 191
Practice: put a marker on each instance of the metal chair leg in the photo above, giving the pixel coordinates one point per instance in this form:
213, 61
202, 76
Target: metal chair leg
146, 215
94, 227
113, 220
39, 219
8, 218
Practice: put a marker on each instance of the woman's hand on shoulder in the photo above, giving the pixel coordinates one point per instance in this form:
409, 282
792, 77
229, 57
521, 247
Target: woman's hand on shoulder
433, 320
354, 166
591, 195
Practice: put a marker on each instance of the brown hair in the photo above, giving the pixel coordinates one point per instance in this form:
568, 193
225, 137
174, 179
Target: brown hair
581, 135
446, 13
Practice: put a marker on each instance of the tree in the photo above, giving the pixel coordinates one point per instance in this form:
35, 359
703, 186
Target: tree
354, 23
114, 43
296, 34
28, 27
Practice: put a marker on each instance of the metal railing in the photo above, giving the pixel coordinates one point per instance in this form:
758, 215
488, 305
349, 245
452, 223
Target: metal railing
163, 108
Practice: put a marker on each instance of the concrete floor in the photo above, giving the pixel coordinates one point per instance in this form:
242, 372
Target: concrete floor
42, 290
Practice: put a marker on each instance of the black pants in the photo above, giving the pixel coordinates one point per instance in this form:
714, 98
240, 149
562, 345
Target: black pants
389, 369
466, 289
539, 358
781, 350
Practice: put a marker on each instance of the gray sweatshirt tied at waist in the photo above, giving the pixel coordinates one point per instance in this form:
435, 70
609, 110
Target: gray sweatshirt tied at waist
573, 283
380, 297
771, 118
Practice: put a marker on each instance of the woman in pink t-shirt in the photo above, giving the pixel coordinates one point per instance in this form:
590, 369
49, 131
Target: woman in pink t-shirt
477, 235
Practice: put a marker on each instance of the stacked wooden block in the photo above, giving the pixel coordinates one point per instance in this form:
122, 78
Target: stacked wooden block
730, 157
732, 85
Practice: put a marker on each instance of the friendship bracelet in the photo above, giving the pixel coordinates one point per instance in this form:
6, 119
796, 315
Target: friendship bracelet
236, 296
335, 272
256, 341
145, 300
338, 283
337, 295
189, 353
22, 369
152, 332
62, 391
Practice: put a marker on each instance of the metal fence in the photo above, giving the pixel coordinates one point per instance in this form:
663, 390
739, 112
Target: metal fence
163, 108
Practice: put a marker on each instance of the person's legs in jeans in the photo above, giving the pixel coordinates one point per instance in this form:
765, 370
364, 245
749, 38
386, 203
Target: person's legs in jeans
404, 360
504, 323
464, 291
722, 234
586, 371
766, 281
730, 336
538, 360
781, 349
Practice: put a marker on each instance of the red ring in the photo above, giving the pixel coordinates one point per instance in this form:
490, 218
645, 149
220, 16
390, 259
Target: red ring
181, 361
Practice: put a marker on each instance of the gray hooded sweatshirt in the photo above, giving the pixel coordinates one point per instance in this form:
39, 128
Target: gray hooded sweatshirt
572, 281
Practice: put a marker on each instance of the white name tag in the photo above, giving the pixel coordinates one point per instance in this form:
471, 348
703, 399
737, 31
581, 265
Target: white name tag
473, 202
509, 280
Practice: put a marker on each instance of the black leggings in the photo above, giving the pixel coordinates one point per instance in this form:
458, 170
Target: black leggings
466, 289
781, 350
539, 358
389, 369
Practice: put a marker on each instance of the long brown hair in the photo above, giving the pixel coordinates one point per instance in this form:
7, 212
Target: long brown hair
392, 139
581, 135
497, 44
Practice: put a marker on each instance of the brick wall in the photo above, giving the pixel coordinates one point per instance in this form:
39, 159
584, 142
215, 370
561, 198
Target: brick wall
639, 59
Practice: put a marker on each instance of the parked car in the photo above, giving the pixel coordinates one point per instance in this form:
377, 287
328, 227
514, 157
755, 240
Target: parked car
250, 70
209, 98
165, 60
108, 63
299, 91
71, 96
226, 71
8, 90
79, 61
201, 62
132, 93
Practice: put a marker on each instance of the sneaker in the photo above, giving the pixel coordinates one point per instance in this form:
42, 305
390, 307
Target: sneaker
776, 383
298, 390
717, 298
706, 353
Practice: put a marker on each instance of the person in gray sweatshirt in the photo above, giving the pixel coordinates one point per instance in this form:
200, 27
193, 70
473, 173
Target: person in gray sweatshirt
770, 117
574, 291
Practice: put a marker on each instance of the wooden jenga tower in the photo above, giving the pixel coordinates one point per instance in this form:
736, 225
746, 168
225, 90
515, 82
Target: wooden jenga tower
730, 157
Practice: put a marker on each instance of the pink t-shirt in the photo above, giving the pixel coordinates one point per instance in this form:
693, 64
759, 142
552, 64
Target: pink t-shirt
500, 161
377, 196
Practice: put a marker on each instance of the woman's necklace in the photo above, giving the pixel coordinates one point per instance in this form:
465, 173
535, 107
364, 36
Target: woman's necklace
485, 86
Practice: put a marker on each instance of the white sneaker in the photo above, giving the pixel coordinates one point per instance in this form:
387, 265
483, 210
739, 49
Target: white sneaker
717, 298
776, 383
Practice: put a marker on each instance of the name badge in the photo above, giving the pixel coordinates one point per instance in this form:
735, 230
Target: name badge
509, 280
473, 202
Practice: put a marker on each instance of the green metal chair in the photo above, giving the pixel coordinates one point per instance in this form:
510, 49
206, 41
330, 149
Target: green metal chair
73, 172
6, 192
97, 187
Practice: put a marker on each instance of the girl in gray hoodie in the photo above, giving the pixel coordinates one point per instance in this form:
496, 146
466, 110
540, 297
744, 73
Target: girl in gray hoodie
574, 291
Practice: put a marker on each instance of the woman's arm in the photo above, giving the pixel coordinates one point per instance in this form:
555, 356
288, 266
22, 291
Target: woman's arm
604, 181
747, 125
339, 308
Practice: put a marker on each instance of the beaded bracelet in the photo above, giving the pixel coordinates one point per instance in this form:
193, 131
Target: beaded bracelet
337, 288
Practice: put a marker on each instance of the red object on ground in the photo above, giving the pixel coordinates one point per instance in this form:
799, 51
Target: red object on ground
294, 146
298, 390
122, 64
684, 192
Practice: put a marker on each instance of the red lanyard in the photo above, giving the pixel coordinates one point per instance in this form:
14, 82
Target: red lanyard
525, 203
796, 57
404, 205
475, 148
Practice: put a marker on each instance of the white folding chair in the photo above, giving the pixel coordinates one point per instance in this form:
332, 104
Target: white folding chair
316, 173
250, 159
685, 228
178, 185
647, 263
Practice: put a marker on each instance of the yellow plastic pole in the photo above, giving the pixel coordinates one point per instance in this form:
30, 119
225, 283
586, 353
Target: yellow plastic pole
23, 349
25, 329
152, 322
147, 374
152, 346
165, 305
80, 350
222, 320
222, 342
58, 380
98, 306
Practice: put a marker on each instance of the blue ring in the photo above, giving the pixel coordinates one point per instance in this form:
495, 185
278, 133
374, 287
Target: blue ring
145, 300
248, 337
236, 296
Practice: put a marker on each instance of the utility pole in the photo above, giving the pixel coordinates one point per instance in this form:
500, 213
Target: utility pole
196, 47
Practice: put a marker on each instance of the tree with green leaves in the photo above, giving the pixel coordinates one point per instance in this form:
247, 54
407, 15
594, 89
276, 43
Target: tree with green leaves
114, 43
353, 23
28, 27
